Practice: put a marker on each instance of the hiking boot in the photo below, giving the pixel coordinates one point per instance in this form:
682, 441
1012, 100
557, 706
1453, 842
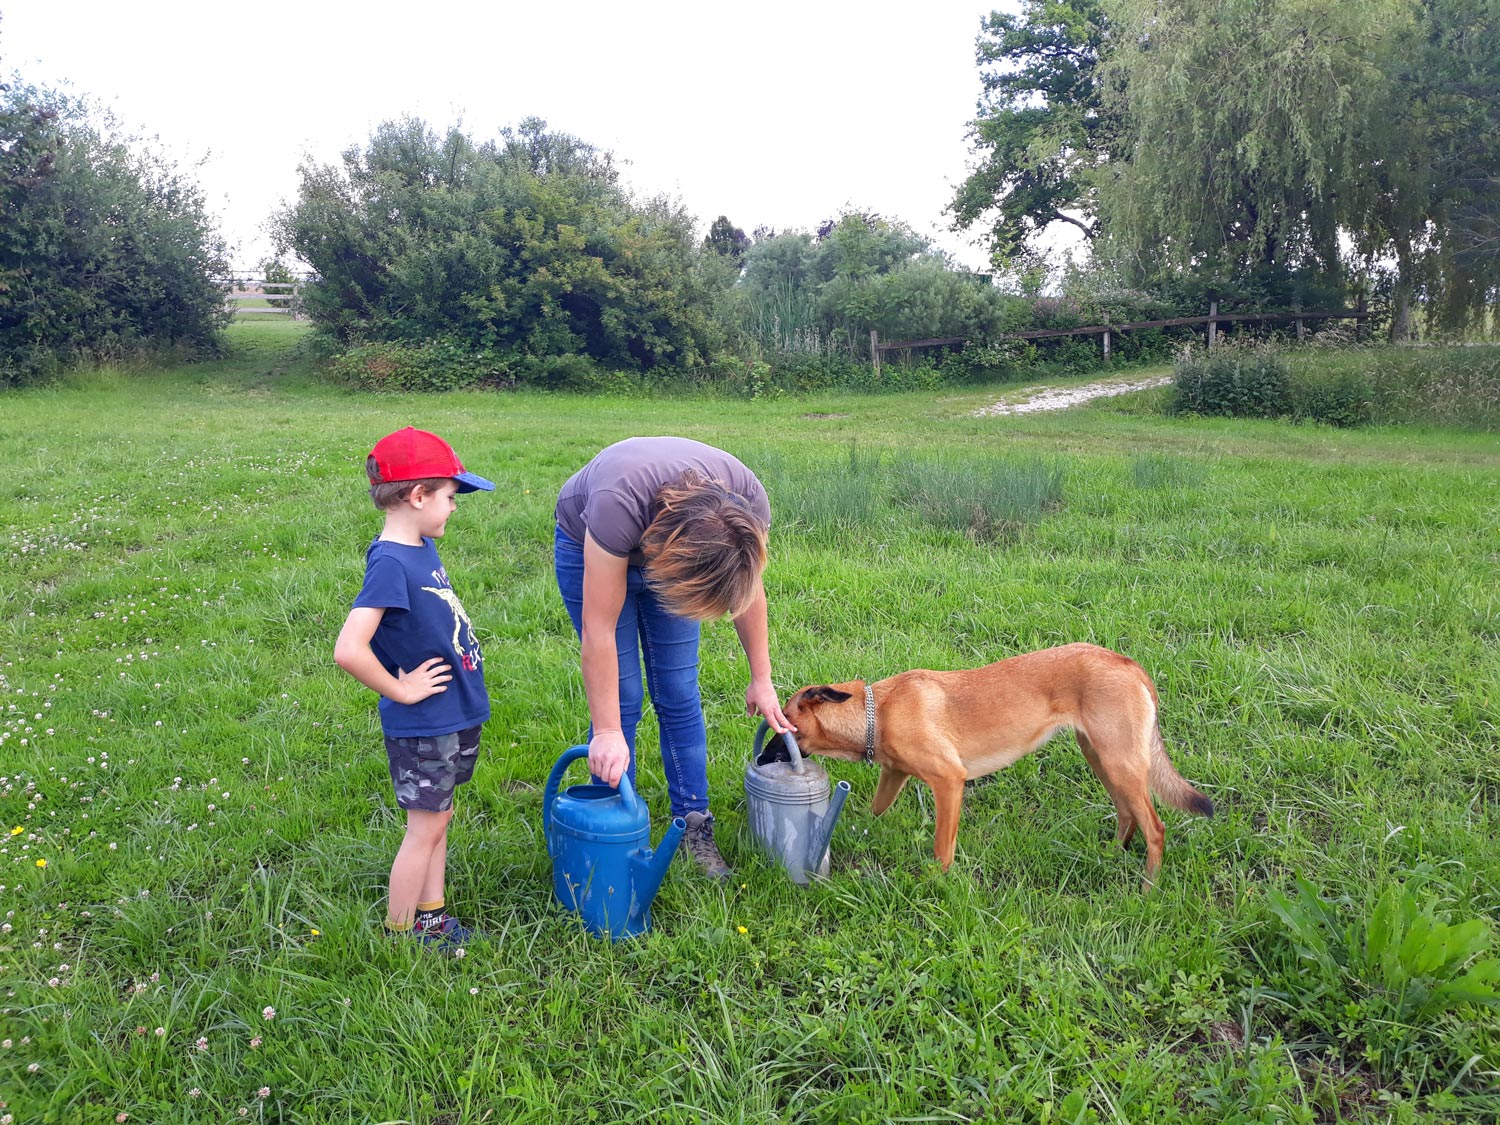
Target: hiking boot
698, 842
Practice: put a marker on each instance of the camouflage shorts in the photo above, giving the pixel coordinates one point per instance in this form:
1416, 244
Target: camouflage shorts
426, 770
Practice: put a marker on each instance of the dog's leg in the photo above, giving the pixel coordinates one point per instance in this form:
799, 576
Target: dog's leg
1124, 821
948, 796
1123, 762
892, 781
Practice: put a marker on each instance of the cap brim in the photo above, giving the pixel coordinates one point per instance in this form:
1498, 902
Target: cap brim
472, 482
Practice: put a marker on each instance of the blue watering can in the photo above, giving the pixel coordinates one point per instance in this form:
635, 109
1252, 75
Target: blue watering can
599, 839
792, 813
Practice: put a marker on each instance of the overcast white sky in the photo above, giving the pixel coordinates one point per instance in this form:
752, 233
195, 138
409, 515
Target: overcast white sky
771, 112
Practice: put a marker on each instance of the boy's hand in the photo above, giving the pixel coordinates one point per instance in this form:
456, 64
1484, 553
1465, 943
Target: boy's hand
425, 679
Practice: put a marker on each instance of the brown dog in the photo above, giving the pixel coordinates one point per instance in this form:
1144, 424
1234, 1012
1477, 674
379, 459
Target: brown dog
946, 727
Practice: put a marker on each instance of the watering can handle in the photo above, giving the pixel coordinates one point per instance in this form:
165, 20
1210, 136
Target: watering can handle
554, 779
789, 738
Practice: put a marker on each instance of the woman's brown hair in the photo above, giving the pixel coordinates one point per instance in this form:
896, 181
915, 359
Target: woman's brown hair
705, 549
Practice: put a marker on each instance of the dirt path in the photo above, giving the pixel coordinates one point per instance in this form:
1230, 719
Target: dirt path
1060, 398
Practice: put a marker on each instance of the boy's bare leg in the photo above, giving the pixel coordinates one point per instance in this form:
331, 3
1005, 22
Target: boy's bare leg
426, 834
432, 885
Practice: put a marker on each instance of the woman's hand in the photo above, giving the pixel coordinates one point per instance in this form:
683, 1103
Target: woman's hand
760, 699
609, 756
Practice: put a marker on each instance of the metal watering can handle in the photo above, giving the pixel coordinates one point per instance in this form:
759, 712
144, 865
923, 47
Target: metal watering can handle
554, 779
789, 738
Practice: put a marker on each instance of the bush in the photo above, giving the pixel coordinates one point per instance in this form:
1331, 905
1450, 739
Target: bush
1353, 386
433, 365
1448, 386
1234, 381
1341, 399
525, 246
105, 249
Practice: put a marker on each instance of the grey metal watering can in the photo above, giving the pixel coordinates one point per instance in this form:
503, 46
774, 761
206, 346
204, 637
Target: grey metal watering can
791, 812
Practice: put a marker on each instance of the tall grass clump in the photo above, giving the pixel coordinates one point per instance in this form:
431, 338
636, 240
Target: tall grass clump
1346, 387
1164, 470
1440, 386
981, 499
834, 496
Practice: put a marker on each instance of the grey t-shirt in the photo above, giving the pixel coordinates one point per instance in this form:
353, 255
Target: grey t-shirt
613, 497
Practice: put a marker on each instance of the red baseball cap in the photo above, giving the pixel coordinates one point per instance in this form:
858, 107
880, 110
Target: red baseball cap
413, 454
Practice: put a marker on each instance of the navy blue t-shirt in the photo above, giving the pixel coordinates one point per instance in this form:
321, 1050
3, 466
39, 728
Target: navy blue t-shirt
423, 619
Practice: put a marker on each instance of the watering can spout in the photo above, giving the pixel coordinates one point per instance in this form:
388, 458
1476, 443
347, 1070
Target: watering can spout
823, 831
650, 867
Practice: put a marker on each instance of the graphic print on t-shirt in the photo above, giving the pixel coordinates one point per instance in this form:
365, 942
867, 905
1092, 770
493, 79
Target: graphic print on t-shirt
465, 640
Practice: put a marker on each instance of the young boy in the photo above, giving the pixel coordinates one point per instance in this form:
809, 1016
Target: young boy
408, 639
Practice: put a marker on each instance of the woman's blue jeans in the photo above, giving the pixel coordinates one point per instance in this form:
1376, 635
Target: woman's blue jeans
670, 647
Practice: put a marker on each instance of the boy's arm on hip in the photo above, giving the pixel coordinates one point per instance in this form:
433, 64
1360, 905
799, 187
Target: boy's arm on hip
352, 651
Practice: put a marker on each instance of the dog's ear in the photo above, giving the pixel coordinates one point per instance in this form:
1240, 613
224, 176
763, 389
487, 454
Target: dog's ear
824, 695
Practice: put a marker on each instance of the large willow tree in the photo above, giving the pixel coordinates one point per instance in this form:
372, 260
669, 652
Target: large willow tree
1309, 135
1245, 121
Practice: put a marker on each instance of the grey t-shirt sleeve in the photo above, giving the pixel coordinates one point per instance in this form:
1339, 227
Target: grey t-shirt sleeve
613, 497
614, 520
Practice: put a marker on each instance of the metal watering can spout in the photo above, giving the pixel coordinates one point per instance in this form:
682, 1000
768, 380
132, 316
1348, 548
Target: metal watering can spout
649, 867
822, 832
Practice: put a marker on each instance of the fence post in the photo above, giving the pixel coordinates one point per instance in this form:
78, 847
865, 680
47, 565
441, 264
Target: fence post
1213, 325
875, 350
1106, 339
1298, 323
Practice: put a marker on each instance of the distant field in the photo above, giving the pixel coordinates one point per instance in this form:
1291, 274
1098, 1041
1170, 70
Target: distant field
208, 792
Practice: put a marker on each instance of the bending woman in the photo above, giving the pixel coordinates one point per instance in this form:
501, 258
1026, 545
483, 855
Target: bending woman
654, 536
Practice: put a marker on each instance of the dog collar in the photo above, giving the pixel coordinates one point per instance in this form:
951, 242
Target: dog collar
869, 724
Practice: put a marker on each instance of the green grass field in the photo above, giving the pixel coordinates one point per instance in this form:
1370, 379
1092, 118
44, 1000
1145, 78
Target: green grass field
203, 823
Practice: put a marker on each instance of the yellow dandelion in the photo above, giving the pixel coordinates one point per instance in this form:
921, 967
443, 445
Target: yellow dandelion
743, 930
41, 863
18, 829
317, 933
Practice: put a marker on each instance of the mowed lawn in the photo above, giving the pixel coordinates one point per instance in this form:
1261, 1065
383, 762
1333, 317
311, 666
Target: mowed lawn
200, 822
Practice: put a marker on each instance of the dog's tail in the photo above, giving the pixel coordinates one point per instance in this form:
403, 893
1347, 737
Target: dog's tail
1170, 785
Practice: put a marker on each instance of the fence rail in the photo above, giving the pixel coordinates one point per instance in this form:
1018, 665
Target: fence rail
250, 289
1212, 320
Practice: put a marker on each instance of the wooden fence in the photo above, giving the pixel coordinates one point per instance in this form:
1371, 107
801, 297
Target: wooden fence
1214, 318
243, 290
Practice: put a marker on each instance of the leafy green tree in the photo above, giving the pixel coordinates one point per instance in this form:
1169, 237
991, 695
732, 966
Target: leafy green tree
824, 292
105, 247
1043, 129
727, 240
1433, 199
274, 271
1244, 126
527, 246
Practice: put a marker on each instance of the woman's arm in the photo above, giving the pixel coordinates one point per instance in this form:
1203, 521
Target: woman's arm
754, 633
604, 578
